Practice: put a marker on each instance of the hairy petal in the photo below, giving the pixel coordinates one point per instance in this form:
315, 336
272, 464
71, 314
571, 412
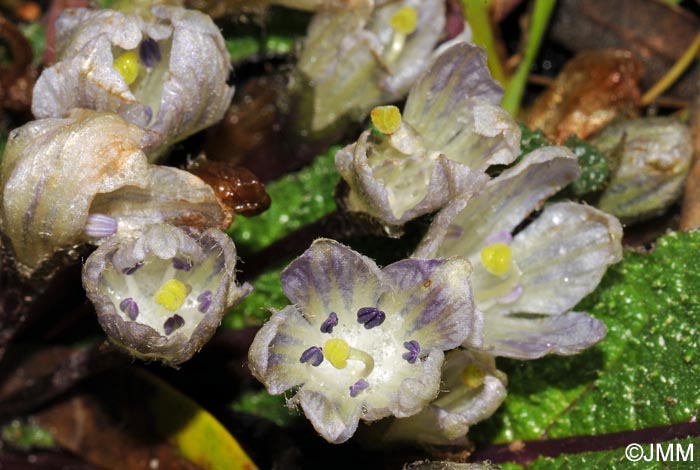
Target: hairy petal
563, 256
531, 338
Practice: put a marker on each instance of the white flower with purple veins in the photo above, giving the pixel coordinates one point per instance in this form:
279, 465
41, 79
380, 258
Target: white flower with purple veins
358, 58
165, 73
162, 295
360, 342
452, 130
527, 282
472, 390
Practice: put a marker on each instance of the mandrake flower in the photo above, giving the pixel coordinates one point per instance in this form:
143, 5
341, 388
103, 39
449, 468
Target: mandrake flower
358, 58
526, 282
165, 72
162, 295
360, 342
451, 131
472, 390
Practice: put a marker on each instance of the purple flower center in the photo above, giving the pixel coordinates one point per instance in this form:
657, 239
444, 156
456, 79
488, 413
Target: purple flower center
100, 226
173, 323
149, 52
413, 351
370, 317
357, 387
313, 355
130, 307
204, 300
182, 264
329, 323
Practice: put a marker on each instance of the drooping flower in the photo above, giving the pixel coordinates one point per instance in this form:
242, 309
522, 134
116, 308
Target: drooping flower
51, 171
162, 295
654, 157
527, 282
165, 73
360, 342
472, 390
452, 130
358, 58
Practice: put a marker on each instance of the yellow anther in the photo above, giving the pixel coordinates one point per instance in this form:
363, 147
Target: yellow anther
171, 295
473, 376
127, 65
496, 258
405, 20
387, 119
337, 352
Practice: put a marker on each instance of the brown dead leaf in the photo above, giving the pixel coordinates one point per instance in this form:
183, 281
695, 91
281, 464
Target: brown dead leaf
16, 79
657, 34
108, 426
594, 88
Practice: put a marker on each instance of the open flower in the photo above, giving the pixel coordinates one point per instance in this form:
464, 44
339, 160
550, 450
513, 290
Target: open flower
51, 171
360, 342
166, 74
472, 390
358, 58
527, 282
452, 129
162, 295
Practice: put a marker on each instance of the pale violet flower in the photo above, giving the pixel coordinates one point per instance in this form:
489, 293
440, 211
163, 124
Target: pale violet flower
165, 72
527, 282
52, 170
367, 55
451, 131
472, 390
360, 342
162, 295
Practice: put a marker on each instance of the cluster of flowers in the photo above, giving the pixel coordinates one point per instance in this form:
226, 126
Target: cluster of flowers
124, 88
417, 340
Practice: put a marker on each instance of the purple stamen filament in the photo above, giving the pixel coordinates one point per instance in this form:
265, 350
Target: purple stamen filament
130, 307
204, 300
329, 323
357, 387
370, 317
313, 355
413, 351
173, 323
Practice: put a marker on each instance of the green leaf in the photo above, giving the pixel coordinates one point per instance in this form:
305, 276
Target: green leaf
198, 436
297, 199
595, 171
261, 403
253, 310
643, 374
616, 460
26, 436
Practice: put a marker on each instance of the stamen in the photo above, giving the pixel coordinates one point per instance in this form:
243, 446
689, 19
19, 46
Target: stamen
387, 119
473, 376
328, 325
182, 264
413, 351
173, 323
149, 52
405, 20
130, 307
370, 317
357, 387
132, 269
204, 300
127, 65
454, 231
314, 355
497, 258
511, 297
337, 351
171, 295
100, 225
